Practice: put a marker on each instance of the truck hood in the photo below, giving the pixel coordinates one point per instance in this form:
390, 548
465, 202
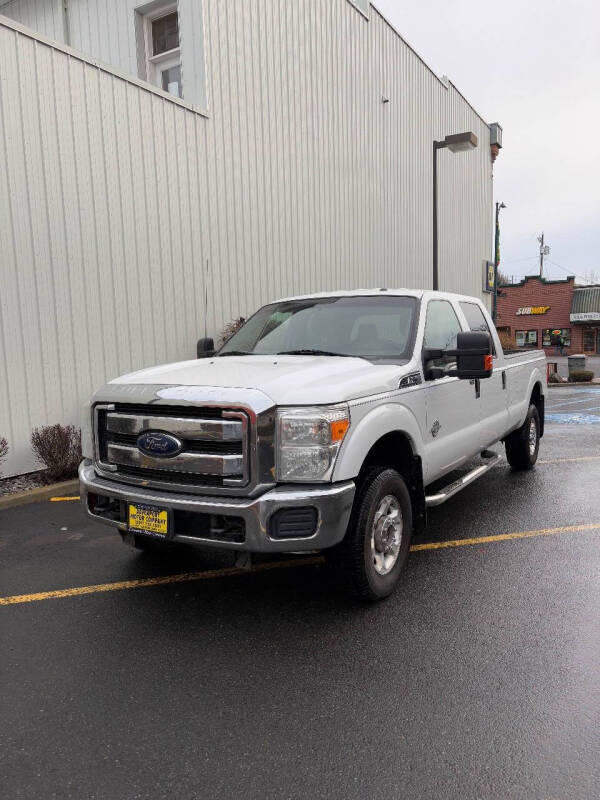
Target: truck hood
287, 380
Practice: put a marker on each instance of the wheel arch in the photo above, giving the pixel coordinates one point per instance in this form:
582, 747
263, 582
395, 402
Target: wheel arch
387, 437
538, 399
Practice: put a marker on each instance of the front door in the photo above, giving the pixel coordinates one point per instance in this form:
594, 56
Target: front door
452, 428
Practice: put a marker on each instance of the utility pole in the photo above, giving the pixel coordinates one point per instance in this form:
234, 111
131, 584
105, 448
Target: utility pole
499, 207
544, 251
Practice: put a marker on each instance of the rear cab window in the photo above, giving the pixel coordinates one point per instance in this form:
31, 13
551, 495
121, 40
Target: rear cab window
476, 320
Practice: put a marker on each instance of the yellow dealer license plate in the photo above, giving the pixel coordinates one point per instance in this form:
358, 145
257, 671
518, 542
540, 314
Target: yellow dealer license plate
148, 519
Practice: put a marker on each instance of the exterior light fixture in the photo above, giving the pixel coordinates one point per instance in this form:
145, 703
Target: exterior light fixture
460, 141
456, 143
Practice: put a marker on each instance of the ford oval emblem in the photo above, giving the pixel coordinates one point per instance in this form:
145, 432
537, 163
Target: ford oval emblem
158, 444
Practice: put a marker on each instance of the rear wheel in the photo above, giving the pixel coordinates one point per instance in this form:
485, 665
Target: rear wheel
376, 546
522, 446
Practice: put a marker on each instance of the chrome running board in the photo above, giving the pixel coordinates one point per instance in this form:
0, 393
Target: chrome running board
491, 459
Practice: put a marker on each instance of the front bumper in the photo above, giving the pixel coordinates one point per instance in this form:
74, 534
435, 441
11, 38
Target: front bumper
333, 504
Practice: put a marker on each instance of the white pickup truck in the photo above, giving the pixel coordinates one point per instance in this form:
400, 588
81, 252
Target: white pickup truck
328, 422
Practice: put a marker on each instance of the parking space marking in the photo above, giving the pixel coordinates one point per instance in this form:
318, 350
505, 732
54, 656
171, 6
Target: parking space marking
181, 577
505, 537
571, 402
63, 499
185, 577
574, 458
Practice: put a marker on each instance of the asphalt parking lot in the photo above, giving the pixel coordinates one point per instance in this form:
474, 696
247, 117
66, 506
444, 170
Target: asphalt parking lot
167, 675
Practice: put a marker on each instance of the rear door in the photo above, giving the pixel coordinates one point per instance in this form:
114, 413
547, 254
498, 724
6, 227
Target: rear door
493, 405
453, 419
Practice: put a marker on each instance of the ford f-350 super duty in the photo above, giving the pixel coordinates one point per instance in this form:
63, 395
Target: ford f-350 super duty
328, 422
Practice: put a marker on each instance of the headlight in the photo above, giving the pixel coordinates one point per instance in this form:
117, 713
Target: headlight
308, 440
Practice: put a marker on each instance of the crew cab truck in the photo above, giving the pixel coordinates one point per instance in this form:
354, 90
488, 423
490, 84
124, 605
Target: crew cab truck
328, 422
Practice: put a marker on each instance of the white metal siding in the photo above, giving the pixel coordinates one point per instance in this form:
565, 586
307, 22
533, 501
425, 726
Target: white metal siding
112, 198
44, 16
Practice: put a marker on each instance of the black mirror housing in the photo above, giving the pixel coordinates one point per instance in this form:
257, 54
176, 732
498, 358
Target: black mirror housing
205, 348
473, 356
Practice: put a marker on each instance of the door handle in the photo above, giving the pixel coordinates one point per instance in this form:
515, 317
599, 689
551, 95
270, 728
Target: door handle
504, 380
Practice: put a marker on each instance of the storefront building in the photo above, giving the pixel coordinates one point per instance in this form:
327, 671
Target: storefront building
553, 315
585, 316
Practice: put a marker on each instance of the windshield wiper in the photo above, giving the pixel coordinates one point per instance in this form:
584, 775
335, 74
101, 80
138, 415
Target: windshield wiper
235, 353
314, 353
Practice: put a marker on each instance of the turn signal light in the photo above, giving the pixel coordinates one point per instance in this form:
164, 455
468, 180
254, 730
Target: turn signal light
488, 363
338, 429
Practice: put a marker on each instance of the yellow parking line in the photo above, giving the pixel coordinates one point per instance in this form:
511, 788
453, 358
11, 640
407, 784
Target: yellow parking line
63, 499
575, 458
504, 537
184, 577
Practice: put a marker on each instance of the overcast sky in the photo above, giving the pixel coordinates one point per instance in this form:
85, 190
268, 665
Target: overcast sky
533, 66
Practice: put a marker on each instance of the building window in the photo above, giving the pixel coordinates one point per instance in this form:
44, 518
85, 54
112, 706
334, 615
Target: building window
532, 337
520, 338
163, 55
552, 337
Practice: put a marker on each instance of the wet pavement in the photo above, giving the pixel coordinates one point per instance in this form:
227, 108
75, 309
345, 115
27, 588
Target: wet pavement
478, 678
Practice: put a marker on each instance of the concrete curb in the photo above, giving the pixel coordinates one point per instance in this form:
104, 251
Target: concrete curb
39, 494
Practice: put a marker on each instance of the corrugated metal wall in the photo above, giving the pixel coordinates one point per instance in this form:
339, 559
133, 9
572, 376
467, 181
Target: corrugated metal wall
45, 16
112, 198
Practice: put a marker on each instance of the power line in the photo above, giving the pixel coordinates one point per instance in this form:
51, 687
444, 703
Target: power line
515, 260
569, 271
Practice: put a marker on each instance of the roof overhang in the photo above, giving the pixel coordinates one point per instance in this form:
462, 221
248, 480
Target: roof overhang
586, 305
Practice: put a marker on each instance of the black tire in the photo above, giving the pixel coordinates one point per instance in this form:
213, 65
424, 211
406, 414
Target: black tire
355, 554
521, 452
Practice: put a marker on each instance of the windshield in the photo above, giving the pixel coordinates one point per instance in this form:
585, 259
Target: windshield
377, 328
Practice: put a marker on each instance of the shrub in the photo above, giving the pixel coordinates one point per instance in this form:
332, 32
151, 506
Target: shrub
3, 450
581, 376
554, 377
58, 447
231, 328
507, 341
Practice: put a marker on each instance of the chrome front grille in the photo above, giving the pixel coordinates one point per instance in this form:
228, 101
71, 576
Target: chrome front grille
214, 445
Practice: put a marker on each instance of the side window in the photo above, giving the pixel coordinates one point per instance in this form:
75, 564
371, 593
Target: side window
441, 328
476, 321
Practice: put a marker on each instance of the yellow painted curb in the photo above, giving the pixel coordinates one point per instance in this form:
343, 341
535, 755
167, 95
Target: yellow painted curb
39, 494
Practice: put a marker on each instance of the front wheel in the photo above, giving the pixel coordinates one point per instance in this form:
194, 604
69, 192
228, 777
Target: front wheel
522, 446
376, 546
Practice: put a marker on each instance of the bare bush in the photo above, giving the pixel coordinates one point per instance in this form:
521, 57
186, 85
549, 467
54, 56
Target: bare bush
232, 327
58, 447
507, 341
3, 450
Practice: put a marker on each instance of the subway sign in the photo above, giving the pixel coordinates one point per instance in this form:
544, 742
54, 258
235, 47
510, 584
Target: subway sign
532, 310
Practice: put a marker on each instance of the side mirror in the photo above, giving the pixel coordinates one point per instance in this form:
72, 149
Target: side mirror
473, 356
205, 348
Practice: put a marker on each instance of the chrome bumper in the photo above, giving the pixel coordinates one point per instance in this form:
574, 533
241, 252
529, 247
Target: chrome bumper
332, 502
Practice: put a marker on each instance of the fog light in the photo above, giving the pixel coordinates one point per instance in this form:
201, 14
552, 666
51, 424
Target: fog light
294, 523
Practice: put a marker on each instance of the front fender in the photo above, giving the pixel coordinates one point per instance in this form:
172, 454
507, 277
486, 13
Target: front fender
387, 418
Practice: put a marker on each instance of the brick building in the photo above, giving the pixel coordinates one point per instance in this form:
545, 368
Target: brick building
535, 310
